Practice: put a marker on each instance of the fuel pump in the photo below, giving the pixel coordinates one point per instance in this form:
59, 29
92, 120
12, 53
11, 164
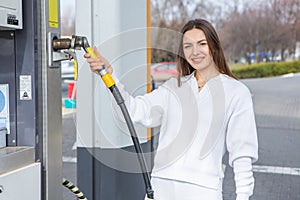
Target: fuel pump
78, 42
20, 167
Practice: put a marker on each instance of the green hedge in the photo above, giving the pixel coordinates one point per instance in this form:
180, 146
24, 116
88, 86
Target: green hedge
267, 69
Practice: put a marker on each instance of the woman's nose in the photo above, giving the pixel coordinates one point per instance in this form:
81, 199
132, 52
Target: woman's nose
196, 49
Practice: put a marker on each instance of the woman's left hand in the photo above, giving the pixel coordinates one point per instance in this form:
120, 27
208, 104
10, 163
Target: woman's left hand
97, 63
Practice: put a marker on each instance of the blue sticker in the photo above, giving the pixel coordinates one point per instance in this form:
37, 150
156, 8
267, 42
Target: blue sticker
2, 101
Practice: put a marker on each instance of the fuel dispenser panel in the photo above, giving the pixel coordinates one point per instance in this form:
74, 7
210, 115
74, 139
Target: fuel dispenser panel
7, 89
11, 14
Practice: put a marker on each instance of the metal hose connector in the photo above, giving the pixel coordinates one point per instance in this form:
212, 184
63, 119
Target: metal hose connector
62, 43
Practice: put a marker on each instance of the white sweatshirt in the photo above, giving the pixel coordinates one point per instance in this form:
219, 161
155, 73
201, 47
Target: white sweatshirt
198, 127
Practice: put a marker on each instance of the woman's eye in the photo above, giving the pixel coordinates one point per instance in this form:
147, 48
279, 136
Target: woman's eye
186, 46
203, 43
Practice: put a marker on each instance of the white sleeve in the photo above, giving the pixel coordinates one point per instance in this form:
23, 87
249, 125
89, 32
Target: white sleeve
243, 177
241, 135
146, 110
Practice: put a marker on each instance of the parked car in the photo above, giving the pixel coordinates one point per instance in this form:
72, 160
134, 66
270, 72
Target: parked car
161, 72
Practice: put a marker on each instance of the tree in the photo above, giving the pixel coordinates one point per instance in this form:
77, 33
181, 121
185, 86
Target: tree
172, 15
244, 26
287, 12
239, 35
256, 30
169, 17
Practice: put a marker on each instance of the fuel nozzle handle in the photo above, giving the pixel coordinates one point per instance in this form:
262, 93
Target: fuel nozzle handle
82, 42
78, 42
88, 49
105, 75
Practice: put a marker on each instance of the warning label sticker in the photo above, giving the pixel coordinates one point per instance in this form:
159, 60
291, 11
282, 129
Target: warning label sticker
25, 87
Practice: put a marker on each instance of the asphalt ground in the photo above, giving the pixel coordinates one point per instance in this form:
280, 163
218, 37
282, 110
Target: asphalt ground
277, 111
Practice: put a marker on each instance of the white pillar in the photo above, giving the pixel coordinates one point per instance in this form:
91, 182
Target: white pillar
118, 29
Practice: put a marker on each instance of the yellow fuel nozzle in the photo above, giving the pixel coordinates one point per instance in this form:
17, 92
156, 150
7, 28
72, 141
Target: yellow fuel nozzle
106, 77
90, 51
78, 42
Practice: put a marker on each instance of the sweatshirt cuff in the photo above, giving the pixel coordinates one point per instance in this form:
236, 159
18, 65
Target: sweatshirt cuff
242, 196
243, 176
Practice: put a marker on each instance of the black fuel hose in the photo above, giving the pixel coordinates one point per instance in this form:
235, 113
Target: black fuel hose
120, 101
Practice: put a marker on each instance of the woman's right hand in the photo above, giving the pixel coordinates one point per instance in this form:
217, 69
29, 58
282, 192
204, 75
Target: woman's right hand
97, 63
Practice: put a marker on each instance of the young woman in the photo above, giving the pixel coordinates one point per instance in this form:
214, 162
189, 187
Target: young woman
202, 114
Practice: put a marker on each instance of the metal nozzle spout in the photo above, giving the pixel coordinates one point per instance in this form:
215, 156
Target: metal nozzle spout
80, 42
62, 43
76, 42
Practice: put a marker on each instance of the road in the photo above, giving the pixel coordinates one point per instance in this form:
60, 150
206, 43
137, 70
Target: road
277, 110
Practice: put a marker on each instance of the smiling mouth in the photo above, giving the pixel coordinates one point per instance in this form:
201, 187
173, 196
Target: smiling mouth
198, 60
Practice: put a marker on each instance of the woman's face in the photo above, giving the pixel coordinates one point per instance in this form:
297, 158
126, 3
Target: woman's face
196, 50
